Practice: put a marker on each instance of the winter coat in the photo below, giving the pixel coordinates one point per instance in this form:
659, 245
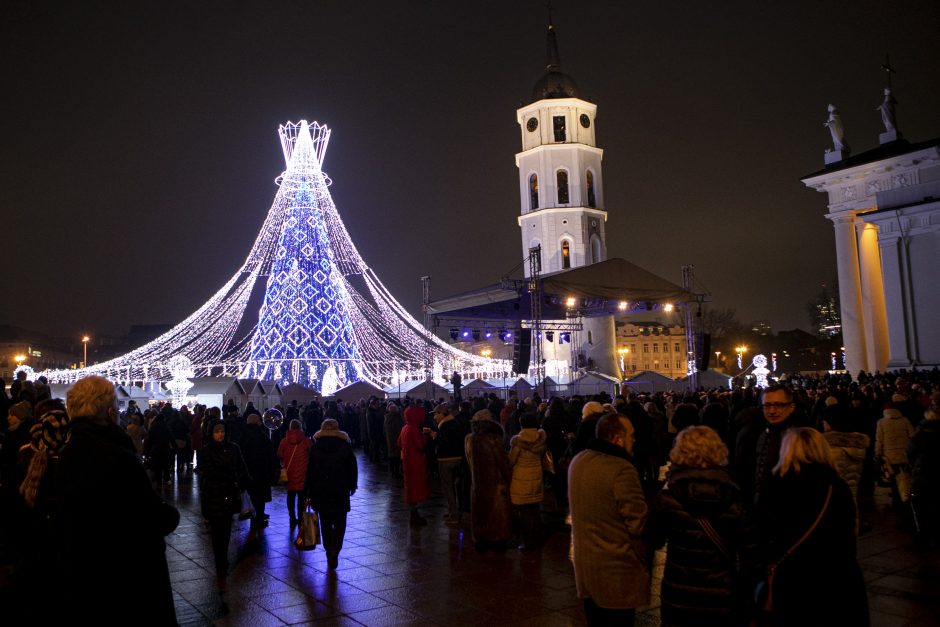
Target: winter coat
137, 434
261, 461
332, 472
412, 443
393, 427
848, 450
159, 443
526, 451
924, 455
699, 579
820, 583
891, 437
449, 442
222, 477
113, 530
608, 515
294, 453
195, 432
490, 508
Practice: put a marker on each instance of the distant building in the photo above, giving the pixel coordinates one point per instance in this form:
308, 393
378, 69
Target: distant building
652, 346
761, 327
34, 349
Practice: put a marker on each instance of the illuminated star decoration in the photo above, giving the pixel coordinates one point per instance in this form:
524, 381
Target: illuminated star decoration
325, 320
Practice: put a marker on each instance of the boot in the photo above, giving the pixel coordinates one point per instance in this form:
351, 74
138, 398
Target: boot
416, 518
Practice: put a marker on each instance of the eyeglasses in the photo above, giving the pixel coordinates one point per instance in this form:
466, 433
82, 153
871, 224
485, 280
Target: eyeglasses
776, 405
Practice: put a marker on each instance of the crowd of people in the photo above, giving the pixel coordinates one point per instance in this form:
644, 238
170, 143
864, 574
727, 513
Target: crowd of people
755, 494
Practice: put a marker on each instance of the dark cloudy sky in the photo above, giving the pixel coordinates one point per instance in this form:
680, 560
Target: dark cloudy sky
139, 141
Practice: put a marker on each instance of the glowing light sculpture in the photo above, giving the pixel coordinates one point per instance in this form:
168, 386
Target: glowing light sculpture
325, 319
760, 371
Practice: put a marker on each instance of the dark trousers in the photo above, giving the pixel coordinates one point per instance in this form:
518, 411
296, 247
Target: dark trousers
529, 522
449, 469
295, 504
220, 529
332, 531
606, 617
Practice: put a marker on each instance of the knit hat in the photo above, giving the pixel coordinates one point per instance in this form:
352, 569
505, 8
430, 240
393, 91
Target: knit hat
898, 398
891, 413
831, 400
483, 414
590, 408
330, 424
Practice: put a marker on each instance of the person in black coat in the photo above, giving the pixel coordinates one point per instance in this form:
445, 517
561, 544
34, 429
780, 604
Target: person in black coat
263, 467
158, 449
222, 477
113, 522
817, 581
699, 512
332, 477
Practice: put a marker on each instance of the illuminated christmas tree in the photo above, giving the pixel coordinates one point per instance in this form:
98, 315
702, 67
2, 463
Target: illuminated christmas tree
324, 319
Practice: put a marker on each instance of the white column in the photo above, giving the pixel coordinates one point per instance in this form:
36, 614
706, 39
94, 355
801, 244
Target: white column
850, 293
873, 297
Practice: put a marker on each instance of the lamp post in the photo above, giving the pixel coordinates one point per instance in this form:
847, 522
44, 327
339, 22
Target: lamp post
85, 340
718, 359
19, 359
740, 350
623, 368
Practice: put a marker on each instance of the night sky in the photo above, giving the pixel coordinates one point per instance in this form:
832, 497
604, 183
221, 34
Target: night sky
139, 139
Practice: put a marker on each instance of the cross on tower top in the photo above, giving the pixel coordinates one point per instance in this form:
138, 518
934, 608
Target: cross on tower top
886, 66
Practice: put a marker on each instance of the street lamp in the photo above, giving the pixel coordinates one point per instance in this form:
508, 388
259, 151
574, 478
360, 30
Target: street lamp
622, 352
486, 352
718, 359
740, 350
85, 340
19, 359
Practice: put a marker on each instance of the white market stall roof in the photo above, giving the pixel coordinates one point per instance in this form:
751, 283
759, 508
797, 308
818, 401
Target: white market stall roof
417, 389
649, 381
357, 390
216, 385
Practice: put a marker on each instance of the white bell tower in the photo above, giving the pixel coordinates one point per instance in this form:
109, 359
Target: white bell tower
560, 179
561, 191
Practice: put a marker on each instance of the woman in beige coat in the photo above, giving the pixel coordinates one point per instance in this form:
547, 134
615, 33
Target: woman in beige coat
526, 451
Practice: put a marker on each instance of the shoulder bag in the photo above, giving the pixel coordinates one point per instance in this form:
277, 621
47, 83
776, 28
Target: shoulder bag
282, 478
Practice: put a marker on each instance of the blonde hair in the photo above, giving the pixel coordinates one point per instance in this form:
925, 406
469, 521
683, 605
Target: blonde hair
698, 447
802, 446
90, 398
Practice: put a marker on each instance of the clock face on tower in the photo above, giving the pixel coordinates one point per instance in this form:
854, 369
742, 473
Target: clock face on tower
585, 120
532, 124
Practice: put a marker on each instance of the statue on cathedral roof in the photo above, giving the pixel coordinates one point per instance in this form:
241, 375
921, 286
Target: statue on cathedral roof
888, 113
834, 123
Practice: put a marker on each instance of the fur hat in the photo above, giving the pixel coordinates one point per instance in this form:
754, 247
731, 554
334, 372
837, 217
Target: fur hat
590, 408
898, 398
891, 413
831, 400
483, 414
21, 410
329, 424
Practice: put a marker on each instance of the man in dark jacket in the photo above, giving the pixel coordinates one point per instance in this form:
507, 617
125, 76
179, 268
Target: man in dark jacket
113, 522
449, 450
332, 477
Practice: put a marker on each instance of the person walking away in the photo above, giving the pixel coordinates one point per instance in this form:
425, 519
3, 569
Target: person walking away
221, 481
848, 450
924, 455
817, 581
158, 448
137, 434
526, 452
263, 467
891, 437
608, 517
294, 453
113, 523
332, 478
699, 512
448, 447
393, 426
413, 443
490, 476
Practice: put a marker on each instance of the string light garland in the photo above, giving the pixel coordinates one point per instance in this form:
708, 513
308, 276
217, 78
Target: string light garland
326, 319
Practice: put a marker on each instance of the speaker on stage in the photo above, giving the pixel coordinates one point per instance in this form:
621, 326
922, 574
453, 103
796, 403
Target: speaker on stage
521, 351
703, 350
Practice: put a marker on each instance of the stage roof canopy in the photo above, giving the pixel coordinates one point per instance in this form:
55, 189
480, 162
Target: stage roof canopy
598, 289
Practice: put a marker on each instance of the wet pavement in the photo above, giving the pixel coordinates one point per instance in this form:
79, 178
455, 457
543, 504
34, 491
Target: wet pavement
391, 573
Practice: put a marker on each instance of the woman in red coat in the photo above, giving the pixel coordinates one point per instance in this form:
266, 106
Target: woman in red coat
294, 453
412, 443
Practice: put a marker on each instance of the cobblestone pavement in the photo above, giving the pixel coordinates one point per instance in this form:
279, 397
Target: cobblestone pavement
391, 573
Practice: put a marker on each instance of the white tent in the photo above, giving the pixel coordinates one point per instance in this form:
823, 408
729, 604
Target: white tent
216, 391
358, 390
710, 379
592, 383
418, 389
649, 381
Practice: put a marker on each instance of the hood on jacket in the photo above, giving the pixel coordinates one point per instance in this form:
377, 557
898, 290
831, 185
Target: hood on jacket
841, 439
529, 439
414, 416
296, 436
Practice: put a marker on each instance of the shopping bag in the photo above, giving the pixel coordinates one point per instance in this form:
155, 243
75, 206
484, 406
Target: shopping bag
308, 535
247, 510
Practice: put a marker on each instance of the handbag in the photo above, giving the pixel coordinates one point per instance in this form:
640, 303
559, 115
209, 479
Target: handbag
308, 535
565, 460
548, 465
709, 530
282, 477
764, 591
903, 480
247, 510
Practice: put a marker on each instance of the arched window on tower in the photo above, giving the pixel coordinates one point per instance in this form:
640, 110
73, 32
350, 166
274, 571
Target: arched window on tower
533, 192
565, 255
562, 180
590, 189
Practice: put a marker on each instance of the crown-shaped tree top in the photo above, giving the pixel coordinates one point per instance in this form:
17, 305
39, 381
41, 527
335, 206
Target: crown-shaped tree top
304, 144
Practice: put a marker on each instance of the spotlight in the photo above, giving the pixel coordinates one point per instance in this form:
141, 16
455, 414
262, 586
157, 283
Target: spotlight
476, 335
564, 338
488, 334
504, 336
550, 336
571, 301
454, 333
622, 306
465, 335
668, 307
